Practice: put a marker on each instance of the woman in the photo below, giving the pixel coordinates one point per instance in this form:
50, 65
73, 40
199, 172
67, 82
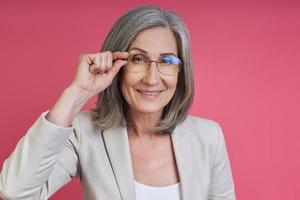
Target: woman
139, 142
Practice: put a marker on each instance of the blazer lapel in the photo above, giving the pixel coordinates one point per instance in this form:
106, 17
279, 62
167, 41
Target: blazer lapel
184, 156
117, 145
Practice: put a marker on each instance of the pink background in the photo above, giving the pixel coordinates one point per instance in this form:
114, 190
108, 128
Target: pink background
246, 61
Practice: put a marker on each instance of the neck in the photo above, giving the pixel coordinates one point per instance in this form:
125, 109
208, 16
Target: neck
141, 123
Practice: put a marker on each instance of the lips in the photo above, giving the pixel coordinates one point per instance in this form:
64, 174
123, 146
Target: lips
150, 93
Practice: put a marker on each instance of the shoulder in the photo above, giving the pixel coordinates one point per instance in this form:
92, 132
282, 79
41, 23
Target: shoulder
195, 124
202, 130
85, 116
200, 121
84, 119
84, 124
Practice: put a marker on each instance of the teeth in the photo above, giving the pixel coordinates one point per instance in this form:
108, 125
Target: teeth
149, 93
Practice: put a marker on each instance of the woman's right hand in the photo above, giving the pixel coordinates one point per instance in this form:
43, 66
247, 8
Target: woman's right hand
95, 72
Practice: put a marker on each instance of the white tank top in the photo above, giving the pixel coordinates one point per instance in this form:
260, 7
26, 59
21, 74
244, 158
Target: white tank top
146, 192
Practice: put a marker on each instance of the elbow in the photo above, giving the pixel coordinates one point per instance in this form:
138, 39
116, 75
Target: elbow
11, 190
11, 194
6, 191
7, 194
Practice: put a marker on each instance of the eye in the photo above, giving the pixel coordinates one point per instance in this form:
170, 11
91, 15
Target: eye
138, 58
171, 60
168, 60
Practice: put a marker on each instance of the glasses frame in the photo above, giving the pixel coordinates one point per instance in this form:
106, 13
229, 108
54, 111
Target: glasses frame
149, 61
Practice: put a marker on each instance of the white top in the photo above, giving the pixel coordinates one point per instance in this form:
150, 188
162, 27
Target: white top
146, 192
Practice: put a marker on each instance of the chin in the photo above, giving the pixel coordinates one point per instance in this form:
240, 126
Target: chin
148, 109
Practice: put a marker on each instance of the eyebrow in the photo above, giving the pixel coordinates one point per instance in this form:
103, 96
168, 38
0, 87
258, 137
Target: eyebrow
145, 52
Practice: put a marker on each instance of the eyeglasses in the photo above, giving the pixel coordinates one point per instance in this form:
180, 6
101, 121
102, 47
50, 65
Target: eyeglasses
168, 65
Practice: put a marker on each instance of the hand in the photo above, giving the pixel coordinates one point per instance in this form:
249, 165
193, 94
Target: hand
96, 72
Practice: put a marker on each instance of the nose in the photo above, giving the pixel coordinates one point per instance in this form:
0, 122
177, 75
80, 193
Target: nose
152, 75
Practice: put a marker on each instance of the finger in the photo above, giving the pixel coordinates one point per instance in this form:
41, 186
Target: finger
88, 62
84, 62
120, 55
110, 59
116, 68
99, 66
96, 60
104, 60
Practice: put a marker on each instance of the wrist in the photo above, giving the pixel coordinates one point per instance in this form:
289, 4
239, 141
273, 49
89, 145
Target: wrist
68, 105
77, 93
76, 98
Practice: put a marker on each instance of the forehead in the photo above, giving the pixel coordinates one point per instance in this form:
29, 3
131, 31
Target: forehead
156, 41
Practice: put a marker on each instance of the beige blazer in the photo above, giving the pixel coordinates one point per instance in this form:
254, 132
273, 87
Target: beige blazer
49, 156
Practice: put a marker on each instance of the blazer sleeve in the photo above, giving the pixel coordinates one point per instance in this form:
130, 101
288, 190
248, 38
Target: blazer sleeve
222, 184
43, 161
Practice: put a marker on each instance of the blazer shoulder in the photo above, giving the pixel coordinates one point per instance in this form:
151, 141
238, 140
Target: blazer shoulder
201, 121
85, 123
202, 129
85, 116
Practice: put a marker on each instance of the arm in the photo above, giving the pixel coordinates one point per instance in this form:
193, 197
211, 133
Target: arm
45, 159
222, 185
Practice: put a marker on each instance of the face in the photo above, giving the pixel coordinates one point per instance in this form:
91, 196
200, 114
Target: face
150, 91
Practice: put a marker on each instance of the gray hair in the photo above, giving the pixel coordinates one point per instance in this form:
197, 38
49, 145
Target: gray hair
111, 106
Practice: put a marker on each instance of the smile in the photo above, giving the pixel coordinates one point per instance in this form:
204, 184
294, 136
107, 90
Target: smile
148, 93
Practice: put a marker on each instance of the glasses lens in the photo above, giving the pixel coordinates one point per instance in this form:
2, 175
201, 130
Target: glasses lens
172, 60
137, 63
169, 65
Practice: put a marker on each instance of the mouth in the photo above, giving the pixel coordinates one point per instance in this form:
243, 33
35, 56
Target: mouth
149, 93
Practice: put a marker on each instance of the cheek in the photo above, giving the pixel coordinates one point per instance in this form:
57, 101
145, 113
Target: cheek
128, 81
171, 83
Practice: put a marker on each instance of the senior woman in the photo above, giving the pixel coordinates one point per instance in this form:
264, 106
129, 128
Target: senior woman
139, 142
